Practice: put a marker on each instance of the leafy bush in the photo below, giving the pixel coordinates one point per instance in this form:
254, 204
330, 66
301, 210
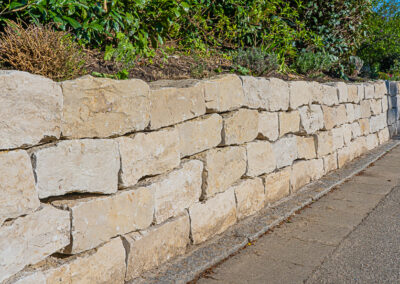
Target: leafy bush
41, 50
310, 63
255, 61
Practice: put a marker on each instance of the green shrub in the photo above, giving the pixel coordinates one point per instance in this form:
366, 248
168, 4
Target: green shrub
355, 65
255, 61
310, 63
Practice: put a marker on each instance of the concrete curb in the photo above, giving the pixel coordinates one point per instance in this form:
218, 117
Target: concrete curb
199, 258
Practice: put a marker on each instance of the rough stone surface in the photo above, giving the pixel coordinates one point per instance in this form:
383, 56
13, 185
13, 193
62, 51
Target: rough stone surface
347, 133
212, 217
377, 123
338, 138
365, 109
364, 125
306, 147
260, 158
177, 190
355, 130
380, 89
369, 91
285, 150
329, 95
376, 106
223, 93
330, 162
199, 134
311, 118
343, 93
383, 135
150, 248
329, 117
32, 238
300, 94
350, 113
372, 141
30, 109
102, 107
385, 104
353, 96
305, 171
77, 166
268, 125
277, 185
17, 185
357, 112
240, 126
97, 220
268, 94
341, 115
147, 154
222, 168
324, 143
344, 156
289, 122
316, 92
250, 197
175, 101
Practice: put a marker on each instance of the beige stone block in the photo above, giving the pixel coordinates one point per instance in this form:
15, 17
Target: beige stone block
372, 141
102, 107
268, 125
175, 101
277, 185
330, 162
364, 125
341, 115
365, 109
344, 156
77, 166
353, 96
285, 150
358, 146
213, 216
324, 143
223, 93
30, 109
289, 122
306, 147
338, 138
330, 117
199, 134
267, 94
377, 123
17, 185
250, 197
32, 238
385, 104
369, 91
260, 158
222, 168
311, 118
376, 107
343, 93
357, 112
240, 126
300, 94
380, 89
347, 133
355, 130
329, 95
146, 154
95, 220
316, 92
300, 175
361, 91
383, 135
350, 113
157, 245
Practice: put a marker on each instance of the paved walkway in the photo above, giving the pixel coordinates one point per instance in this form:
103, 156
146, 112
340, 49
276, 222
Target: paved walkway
351, 235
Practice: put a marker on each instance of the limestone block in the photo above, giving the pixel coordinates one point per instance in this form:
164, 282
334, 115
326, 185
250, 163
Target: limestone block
102, 107
372, 141
352, 90
260, 158
330, 117
147, 154
343, 93
250, 197
392, 102
344, 156
32, 238
95, 220
285, 150
376, 107
385, 104
17, 185
317, 95
311, 118
377, 123
364, 126
357, 112
316, 169
358, 147
306, 147
30, 109
277, 185
240, 126
175, 101
268, 125
347, 133
361, 91
149, 249
177, 190
289, 122
350, 113
222, 168
213, 216
267, 94
199, 134
365, 108
330, 162
77, 166
300, 94
369, 91
305, 171
355, 130
383, 135
223, 93
324, 143
380, 89
329, 95
394, 88
338, 138
392, 116
341, 115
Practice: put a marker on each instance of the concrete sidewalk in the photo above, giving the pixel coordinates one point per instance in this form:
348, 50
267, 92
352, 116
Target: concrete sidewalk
351, 235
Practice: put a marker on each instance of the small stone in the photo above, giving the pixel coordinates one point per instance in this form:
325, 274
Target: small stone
240, 126
330, 162
277, 185
324, 143
199, 134
306, 148
289, 122
330, 117
341, 115
365, 109
151, 248
364, 126
285, 150
268, 126
329, 95
175, 101
260, 158
212, 217
77, 166
311, 118
250, 197
300, 94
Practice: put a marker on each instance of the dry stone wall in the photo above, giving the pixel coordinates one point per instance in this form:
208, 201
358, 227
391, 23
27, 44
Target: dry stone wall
101, 180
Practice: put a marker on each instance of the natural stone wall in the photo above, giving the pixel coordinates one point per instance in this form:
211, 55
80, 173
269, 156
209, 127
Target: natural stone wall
101, 180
